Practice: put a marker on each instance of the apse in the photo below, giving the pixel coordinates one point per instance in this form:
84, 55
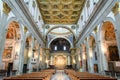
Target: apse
60, 44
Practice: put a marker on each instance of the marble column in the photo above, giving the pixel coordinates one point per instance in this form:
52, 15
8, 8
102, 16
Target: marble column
3, 32
43, 59
47, 50
3, 25
82, 60
89, 58
116, 11
21, 54
31, 56
38, 60
68, 60
102, 65
78, 62
73, 51
51, 60
26, 55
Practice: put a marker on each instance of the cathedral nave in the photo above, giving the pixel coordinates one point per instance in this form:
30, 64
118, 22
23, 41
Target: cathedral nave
59, 39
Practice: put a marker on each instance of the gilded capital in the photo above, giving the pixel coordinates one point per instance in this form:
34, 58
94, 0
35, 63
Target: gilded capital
96, 30
25, 29
116, 8
73, 50
6, 8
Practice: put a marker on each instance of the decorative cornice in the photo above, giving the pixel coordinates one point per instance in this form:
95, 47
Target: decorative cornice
116, 8
6, 8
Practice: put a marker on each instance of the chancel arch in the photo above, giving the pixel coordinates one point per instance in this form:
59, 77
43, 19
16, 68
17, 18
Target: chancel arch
60, 44
63, 27
71, 45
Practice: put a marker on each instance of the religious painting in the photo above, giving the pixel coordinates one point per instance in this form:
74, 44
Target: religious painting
7, 53
109, 31
113, 53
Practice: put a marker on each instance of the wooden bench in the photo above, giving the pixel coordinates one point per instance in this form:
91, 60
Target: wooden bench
3, 72
42, 75
86, 76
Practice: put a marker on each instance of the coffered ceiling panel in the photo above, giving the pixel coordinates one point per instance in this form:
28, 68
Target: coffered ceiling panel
60, 11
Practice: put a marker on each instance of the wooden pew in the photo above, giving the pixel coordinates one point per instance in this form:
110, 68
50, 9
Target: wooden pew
86, 76
43, 75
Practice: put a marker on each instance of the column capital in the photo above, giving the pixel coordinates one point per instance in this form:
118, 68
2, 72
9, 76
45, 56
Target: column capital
6, 8
25, 29
116, 8
73, 50
96, 29
47, 50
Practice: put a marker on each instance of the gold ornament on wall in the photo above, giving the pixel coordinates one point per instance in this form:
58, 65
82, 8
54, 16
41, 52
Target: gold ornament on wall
6, 8
95, 29
116, 8
25, 29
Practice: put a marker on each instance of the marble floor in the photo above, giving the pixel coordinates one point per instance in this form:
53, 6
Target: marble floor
60, 75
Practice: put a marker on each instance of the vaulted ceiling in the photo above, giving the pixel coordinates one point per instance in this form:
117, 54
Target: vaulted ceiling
60, 11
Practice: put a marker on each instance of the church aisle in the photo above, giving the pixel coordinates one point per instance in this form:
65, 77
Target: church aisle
60, 75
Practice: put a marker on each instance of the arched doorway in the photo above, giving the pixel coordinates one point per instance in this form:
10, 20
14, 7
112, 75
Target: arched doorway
109, 45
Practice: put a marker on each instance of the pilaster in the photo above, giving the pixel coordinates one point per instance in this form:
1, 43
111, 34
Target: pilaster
89, 58
68, 60
102, 65
82, 67
116, 11
3, 31
21, 54
47, 52
31, 56
38, 60
73, 52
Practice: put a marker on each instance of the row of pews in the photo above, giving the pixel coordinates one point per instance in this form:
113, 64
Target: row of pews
86, 76
42, 75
